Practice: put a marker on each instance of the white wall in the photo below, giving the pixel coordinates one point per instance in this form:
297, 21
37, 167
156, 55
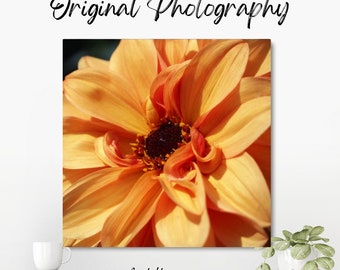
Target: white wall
306, 128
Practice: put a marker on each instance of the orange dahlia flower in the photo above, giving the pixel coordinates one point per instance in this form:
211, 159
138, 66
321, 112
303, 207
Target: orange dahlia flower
167, 144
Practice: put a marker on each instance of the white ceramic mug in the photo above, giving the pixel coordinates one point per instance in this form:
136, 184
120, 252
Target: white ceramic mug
50, 255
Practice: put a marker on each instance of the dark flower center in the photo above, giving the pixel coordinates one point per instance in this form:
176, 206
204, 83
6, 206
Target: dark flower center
163, 141
155, 148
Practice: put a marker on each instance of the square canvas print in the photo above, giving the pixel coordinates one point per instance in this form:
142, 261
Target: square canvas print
167, 143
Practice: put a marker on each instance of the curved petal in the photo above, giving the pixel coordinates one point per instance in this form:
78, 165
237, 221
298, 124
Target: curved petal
107, 97
72, 125
137, 61
208, 158
79, 152
261, 153
145, 237
171, 50
89, 202
115, 150
249, 88
70, 176
237, 231
259, 63
91, 241
172, 90
126, 221
239, 187
94, 62
177, 228
179, 180
211, 75
70, 111
242, 128
179, 163
186, 194
152, 113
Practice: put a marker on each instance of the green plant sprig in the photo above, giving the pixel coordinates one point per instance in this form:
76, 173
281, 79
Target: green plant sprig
302, 244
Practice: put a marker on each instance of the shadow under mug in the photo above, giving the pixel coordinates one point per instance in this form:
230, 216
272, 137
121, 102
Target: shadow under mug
50, 255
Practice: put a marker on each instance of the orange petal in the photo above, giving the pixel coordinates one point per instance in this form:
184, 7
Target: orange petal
203, 42
115, 150
177, 228
157, 90
236, 231
151, 112
89, 61
70, 111
107, 97
172, 91
185, 194
187, 191
259, 63
92, 241
208, 158
239, 187
133, 213
236, 133
89, 202
172, 51
179, 163
136, 60
79, 152
261, 152
248, 89
145, 237
72, 176
211, 75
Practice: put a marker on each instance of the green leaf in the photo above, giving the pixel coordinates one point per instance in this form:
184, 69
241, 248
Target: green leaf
325, 262
268, 252
281, 245
311, 265
317, 238
300, 237
287, 234
325, 249
275, 239
307, 227
317, 230
263, 266
301, 251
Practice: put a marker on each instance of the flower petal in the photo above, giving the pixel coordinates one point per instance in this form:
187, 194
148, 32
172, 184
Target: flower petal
106, 96
115, 150
137, 61
261, 153
208, 158
172, 51
249, 88
241, 129
70, 177
211, 75
186, 191
92, 241
145, 237
177, 228
79, 152
164, 90
239, 187
236, 231
172, 91
94, 62
133, 213
259, 63
91, 199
